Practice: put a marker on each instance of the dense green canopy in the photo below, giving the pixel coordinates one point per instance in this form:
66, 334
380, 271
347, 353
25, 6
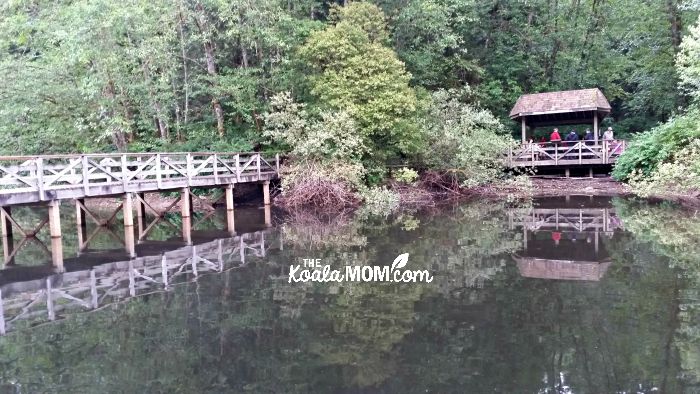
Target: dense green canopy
196, 74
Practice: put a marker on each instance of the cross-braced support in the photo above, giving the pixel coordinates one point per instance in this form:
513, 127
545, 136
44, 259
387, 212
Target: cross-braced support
29, 236
159, 215
102, 225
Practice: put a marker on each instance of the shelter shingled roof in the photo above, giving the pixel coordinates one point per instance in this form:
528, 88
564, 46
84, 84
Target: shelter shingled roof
560, 102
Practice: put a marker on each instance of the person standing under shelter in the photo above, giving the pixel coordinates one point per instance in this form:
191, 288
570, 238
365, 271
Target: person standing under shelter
608, 134
555, 137
572, 136
588, 137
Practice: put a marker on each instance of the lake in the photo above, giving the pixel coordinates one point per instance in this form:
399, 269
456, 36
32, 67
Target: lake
571, 294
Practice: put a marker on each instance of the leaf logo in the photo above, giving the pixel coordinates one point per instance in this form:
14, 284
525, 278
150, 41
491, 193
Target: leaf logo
400, 261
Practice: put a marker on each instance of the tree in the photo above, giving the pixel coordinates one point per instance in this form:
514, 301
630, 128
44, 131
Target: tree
688, 62
353, 70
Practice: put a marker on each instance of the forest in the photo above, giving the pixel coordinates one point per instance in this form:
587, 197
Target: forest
358, 84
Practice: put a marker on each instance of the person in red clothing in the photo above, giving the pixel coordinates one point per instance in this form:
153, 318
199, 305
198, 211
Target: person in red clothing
555, 137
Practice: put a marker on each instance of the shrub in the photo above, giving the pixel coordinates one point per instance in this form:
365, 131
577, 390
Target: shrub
379, 201
680, 175
658, 145
464, 140
331, 135
324, 185
406, 175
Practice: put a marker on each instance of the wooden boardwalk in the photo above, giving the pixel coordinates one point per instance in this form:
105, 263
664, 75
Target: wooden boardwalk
48, 180
33, 179
565, 154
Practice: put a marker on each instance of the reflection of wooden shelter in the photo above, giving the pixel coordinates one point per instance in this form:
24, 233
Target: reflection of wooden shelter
550, 246
532, 267
561, 108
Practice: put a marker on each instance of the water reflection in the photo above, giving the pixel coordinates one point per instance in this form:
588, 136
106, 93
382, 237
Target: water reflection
564, 238
480, 327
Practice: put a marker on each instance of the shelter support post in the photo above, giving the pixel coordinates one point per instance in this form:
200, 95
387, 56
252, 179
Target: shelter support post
523, 130
595, 128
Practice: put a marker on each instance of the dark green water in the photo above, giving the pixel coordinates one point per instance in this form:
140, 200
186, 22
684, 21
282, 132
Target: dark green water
549, 309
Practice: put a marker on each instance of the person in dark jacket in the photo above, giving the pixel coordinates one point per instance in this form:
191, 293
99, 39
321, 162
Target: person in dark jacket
588, 137
572, 136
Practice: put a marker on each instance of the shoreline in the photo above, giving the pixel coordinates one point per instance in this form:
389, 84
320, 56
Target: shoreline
541, 187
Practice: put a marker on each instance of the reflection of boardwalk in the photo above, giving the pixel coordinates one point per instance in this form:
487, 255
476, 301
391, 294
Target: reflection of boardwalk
38, 300
531, 267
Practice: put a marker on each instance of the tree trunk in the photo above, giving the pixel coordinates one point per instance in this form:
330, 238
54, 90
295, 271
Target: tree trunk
674, 19
118, 135
211, 68
185, 81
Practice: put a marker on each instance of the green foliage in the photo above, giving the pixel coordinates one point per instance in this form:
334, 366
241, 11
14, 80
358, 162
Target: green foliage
333, 135
379, 201
650, 149
688, 62
464, 139
102, 75
679, 175
429, 37
352, 70
406, 175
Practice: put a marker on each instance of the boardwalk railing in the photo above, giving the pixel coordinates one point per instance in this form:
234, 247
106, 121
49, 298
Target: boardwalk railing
565, 153
25, 179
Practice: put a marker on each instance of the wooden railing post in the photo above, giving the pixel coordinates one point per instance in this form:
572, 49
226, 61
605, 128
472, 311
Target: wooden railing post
580, 158
277, 163
216, 168
258, 165
238, 167
189, 169
605, 151
159, 180
40, 178
510, 157
86, 175
124, 172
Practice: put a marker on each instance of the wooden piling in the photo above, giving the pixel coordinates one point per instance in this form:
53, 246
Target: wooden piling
129, 238
55, 231
7, 238
268, 216
185, 203
230, 219
266, 192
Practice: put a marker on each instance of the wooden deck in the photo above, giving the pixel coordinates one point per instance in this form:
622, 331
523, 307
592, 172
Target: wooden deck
565, 154
33, 179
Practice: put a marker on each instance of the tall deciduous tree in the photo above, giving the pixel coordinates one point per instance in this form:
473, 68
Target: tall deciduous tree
353, 69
